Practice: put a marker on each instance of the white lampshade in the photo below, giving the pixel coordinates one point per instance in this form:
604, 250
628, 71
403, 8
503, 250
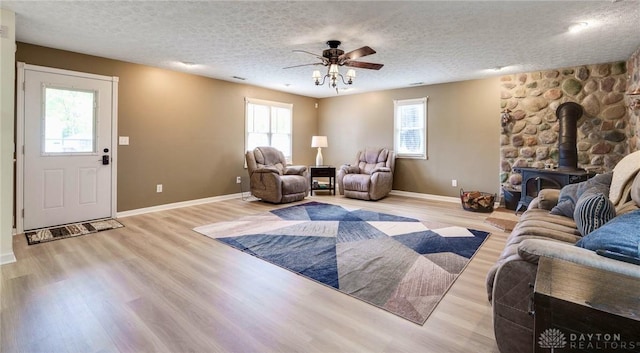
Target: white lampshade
316, 75
333, 69
319, 141
351, 73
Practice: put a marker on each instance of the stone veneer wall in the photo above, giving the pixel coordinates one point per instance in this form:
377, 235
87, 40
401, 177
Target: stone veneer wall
633, 101
530, 138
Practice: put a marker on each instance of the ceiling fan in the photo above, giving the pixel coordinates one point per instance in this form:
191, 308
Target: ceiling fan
335, 57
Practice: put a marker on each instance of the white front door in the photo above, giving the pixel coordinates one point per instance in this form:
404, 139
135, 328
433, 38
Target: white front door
68, 120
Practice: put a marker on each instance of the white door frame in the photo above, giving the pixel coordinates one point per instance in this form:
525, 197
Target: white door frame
20, 134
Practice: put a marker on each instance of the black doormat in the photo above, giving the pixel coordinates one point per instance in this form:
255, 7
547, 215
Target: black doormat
70, 230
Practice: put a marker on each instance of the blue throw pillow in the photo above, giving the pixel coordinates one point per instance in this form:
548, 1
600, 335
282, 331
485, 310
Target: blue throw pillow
592, 211
621, 235
566, 200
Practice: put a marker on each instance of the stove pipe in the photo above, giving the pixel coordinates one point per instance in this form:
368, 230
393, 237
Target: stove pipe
568, 115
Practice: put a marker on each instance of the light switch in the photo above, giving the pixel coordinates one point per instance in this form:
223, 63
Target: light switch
123, 140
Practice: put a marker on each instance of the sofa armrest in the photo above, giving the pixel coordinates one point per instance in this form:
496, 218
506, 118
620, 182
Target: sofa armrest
349, 169
267, 170
295, 170
510, 305
532, 249
381, 169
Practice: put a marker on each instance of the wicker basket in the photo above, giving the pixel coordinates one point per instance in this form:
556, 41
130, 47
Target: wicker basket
477, 201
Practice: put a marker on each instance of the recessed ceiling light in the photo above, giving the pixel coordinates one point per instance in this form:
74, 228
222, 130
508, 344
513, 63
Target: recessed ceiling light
239, 78
577, 27
416, 83
187, 63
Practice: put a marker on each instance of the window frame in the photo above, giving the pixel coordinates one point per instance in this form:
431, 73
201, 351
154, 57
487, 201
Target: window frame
46, 122
271, 105
397, 129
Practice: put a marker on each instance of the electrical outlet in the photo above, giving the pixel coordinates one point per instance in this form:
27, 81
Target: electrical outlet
159, 188
454, 183
238, 180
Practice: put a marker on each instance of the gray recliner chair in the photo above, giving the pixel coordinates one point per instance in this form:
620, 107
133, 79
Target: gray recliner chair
272, 180
370, 177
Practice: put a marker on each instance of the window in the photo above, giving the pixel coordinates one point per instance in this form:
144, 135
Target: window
410, 128
69, 121
269, 124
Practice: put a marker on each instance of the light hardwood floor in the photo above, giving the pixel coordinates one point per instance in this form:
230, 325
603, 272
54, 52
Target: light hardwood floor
158, 286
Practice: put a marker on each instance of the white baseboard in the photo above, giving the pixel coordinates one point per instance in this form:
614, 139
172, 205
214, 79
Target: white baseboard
425, 196
171, 206
7, 258
418, 195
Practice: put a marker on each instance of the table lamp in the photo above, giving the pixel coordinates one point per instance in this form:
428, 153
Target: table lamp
319, 141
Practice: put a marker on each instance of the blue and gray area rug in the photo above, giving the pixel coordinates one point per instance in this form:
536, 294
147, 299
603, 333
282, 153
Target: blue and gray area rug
400, 264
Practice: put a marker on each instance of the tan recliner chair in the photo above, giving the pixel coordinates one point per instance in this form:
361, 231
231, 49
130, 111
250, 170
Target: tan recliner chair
272, 180
370, 177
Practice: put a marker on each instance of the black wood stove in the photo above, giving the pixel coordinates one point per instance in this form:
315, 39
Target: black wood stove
536, 179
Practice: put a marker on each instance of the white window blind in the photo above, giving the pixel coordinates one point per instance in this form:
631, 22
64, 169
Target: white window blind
410, 128
269, 124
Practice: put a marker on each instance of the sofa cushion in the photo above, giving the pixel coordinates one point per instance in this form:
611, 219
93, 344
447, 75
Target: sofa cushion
570, 194
619, 235
357, 182
592, 211
293, 184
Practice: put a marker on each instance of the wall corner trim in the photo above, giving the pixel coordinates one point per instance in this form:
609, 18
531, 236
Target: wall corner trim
7, 258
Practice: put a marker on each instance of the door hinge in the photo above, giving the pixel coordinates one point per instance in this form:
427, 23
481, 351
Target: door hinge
23, 213
24, 85
23, 150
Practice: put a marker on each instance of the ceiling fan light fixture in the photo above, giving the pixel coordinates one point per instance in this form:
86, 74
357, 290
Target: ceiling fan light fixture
333, 70
351, 74
333, 58
316, 77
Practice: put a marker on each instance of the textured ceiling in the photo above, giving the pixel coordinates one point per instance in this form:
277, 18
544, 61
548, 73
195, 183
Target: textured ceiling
417, 41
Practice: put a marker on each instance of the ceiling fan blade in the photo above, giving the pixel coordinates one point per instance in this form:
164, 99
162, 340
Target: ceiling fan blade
290, 67
310, 53
358, 53
364, 65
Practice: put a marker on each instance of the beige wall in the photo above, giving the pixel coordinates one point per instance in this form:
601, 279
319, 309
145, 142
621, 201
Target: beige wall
186, 131
463, 134
7, 93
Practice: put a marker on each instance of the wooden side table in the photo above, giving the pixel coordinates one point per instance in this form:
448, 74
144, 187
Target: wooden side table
584, 309
320, 171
